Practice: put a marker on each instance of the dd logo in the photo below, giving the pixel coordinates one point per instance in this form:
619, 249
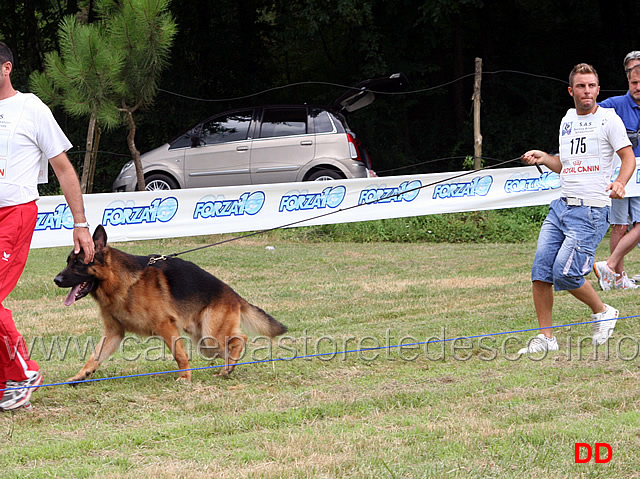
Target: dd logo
597, 447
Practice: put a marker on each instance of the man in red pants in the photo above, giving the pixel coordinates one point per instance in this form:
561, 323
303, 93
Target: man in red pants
29, 134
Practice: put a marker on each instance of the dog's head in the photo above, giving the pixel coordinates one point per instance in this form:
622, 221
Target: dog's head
81, 277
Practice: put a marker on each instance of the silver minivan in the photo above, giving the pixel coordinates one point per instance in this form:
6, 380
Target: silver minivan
266, 144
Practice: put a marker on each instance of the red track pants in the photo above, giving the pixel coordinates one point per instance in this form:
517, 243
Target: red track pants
16, 229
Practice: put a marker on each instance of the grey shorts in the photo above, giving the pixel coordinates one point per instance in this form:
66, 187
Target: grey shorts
625, 211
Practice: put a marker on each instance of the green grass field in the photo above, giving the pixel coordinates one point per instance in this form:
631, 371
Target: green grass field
463, 408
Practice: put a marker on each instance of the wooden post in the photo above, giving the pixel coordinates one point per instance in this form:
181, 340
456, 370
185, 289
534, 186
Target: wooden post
86, 168
477, 136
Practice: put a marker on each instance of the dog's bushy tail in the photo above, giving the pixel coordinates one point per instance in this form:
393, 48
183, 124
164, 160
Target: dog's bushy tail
256, 322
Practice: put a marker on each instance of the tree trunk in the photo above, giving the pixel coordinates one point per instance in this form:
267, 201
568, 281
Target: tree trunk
88, 154
94, 159
135, 154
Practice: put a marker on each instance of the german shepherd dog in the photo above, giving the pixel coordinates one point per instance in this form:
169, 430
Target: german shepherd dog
162, 299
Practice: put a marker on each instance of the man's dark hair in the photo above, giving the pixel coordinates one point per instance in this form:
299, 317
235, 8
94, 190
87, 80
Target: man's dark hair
5, 54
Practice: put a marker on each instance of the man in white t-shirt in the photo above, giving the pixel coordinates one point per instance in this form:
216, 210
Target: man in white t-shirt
589, 137
28, 135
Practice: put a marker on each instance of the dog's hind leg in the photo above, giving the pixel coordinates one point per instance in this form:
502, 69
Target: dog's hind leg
234, 345
171, 337
105, 348
221, 335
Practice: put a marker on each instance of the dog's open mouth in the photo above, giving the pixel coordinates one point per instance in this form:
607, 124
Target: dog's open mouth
79, 291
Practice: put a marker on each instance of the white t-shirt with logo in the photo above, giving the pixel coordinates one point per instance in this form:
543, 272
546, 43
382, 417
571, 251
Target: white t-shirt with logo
588, 144
29, 137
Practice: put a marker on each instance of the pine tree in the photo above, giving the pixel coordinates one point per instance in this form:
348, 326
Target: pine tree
108, 70
83, 78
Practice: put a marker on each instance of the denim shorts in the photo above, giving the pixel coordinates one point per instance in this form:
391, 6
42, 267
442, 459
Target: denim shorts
625, 211
567, 244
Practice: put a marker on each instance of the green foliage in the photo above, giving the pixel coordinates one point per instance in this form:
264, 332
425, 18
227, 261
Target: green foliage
82, 78
108, 68
469, 163
118, 57
494, 226
143, 31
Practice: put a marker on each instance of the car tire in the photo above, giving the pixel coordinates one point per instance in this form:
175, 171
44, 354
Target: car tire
325, 175
159, 181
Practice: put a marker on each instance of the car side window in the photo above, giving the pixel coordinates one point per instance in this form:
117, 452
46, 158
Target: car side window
232, 127
322, 122
283, 122
183, 141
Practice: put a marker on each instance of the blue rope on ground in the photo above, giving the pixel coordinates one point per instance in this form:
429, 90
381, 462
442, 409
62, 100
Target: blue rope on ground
272, 360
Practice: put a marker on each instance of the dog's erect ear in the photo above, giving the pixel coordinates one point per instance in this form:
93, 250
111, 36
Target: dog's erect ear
100, 238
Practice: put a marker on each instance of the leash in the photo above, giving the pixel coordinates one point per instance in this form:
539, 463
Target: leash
156, 258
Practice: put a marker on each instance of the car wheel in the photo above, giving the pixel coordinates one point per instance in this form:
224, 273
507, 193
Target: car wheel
325, 175
160, 182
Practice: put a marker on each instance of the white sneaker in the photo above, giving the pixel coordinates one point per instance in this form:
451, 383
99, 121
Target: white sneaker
606, 277
539, 344
636, 277
18, 393
623, 282
603, 329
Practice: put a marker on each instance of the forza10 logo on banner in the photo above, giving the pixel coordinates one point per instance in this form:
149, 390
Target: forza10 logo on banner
329, 197
214, 207
546, 181
55, 220
120, 213
476, 187
406, 191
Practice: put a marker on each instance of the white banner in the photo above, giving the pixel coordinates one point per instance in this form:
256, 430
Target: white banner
234, 209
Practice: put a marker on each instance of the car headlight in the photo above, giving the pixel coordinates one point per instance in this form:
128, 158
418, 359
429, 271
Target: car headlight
127, 166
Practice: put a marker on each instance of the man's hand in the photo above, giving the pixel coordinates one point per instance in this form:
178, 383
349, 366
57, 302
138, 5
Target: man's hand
82, 240
616, 190
539, 157
533, 157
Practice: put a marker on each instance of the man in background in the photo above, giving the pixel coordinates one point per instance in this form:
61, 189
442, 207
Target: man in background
611, 273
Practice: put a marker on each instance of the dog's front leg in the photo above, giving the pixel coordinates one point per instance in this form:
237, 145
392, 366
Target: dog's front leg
105, 348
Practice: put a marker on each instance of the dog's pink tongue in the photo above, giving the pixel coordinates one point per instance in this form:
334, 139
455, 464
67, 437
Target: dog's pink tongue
71, 297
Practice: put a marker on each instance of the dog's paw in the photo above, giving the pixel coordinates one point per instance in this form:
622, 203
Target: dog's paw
78, 378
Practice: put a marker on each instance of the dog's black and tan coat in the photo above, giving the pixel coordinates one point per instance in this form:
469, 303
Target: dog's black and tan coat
162, 299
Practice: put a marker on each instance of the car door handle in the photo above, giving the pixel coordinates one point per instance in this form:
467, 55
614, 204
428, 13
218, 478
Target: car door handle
242, 148
306, 142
